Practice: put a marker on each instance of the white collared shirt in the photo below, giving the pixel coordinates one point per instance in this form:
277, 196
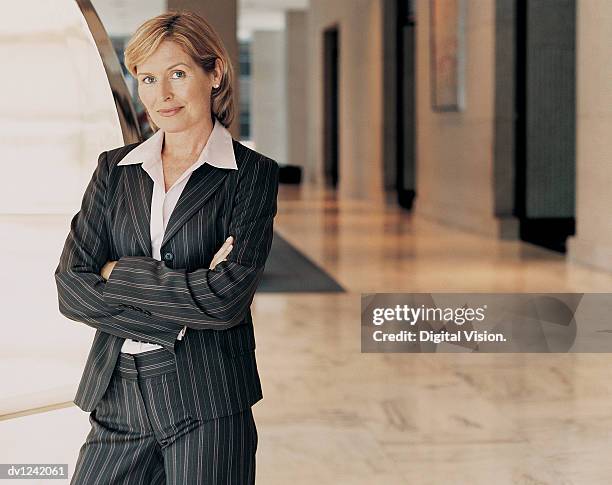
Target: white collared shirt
218, 151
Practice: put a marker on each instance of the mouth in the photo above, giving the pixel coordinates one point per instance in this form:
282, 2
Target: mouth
169, 112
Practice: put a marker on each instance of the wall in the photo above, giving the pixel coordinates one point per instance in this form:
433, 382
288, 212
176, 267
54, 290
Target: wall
593, 241
268, 98
455, 149
360, 95
297, 85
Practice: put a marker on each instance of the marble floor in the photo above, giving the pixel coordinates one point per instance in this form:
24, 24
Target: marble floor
332, 415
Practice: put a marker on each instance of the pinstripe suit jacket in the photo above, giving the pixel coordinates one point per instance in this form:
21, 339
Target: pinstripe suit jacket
150, 300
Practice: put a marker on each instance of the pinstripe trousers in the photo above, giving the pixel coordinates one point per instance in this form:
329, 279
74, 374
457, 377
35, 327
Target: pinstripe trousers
141, 433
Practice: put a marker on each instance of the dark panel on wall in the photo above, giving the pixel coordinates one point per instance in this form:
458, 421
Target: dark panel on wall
504, 135
390, 98
551, 110
545, 121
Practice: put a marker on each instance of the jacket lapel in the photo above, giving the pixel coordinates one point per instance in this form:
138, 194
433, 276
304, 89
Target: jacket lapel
138, 188
202, 184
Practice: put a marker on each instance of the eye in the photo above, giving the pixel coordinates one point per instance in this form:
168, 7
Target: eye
181, 72
145, 78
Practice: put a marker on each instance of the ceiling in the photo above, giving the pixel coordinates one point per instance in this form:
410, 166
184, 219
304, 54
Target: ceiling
274, 4
122, 17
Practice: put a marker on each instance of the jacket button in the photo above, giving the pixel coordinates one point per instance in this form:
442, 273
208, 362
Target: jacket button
168, 256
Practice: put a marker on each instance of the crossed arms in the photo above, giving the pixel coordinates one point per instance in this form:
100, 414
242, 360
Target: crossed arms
145, 300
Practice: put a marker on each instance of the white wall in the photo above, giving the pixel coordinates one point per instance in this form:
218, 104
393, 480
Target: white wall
593, 241
58, 115
297, 86
268, 95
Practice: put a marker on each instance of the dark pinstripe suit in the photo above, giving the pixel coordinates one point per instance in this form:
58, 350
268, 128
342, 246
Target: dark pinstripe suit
142, 434
150, 300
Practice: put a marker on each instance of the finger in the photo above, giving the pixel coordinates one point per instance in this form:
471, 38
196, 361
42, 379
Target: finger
223, 251
220, 255
220, 250
223, 247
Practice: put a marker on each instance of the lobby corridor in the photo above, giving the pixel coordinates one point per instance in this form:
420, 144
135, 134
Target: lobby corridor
450, 151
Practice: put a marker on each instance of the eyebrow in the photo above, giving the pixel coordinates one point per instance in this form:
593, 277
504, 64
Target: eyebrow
174, 65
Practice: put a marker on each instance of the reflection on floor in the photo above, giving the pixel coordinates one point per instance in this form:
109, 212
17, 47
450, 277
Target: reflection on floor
332, 415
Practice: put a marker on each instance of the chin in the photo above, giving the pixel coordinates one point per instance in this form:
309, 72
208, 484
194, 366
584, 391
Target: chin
171, 126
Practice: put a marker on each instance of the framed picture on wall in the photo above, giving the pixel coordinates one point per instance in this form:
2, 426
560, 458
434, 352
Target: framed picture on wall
447, 54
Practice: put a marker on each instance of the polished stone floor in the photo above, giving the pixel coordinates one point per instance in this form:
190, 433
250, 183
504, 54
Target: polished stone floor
332, 415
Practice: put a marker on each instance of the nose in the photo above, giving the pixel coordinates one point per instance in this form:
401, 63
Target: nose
165, 89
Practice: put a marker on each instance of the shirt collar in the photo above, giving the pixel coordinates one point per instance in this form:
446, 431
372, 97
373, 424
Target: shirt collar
218, 151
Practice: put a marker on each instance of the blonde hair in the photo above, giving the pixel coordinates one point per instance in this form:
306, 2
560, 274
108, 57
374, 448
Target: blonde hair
198, 38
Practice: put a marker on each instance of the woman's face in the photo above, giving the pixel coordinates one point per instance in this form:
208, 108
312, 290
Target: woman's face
169, 78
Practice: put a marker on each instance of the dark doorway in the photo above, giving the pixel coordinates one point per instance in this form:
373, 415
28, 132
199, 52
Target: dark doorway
545, 121
406, 144
331, 57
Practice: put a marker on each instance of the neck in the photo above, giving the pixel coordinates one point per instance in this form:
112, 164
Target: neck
186, 145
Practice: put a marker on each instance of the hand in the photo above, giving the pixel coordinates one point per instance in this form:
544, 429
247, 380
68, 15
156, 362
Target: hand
223, 252
107, 269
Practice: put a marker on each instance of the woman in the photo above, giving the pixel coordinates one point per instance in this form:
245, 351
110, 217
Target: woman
171, 375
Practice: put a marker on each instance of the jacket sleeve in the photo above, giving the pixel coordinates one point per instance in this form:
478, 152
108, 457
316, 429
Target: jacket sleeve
209, 299
80, 287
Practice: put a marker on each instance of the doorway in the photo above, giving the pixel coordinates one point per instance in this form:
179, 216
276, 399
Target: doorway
331, 59
405, 95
